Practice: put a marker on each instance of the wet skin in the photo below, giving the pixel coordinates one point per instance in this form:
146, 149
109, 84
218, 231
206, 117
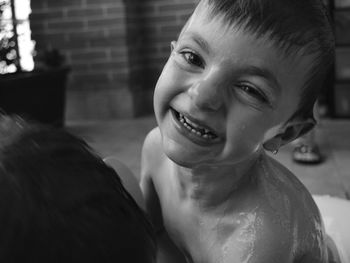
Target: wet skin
222, 95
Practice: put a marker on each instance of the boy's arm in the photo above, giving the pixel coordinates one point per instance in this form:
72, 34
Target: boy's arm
148, 163
150, 160
167, 251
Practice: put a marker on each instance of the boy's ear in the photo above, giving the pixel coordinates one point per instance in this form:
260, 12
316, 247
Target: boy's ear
291, 131
172, 45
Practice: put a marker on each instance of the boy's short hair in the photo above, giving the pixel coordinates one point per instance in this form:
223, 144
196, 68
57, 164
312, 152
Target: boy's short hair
59, 202
294, 26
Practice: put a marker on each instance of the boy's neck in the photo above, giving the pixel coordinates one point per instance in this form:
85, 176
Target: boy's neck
212, 185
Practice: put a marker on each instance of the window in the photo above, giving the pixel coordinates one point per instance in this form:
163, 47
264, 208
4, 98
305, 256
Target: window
16, 46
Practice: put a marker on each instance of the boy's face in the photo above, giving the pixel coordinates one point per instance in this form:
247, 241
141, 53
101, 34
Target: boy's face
223, 93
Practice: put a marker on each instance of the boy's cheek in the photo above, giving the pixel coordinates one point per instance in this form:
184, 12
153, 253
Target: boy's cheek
175, 71
166, 78
172, 82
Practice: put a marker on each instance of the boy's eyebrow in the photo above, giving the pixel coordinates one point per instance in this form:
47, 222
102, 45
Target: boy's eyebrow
199, 40
262, 72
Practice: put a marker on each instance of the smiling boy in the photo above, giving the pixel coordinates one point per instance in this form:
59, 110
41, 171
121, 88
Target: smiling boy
242, 78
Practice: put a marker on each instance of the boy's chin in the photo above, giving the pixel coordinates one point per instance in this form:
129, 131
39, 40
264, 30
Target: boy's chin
181, 156
190, 158
186, 163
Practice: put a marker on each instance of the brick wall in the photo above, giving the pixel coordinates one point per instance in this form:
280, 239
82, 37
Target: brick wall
116, 50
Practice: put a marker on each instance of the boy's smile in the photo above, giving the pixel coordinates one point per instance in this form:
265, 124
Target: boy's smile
224, 92
194, 128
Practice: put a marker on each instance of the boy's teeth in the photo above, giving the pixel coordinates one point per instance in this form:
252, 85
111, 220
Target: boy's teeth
196, 129
192, 123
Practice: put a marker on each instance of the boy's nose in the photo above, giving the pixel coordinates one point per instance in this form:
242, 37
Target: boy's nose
207, 93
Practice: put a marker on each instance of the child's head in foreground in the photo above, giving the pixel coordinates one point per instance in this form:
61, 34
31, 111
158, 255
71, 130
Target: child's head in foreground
243, 74
59, 202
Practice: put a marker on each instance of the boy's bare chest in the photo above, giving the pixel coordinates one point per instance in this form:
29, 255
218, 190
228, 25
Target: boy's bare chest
203, 237
228, 235
220, 236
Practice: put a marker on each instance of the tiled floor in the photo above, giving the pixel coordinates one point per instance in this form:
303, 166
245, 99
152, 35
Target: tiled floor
124, 138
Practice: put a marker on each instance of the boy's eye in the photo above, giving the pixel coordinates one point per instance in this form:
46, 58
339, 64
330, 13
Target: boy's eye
192, 58
253, 92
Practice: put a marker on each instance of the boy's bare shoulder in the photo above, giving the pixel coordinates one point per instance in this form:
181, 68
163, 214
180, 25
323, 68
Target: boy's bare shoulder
280, 221
289, 185
152, 152
291, 211
152, 141
284, 190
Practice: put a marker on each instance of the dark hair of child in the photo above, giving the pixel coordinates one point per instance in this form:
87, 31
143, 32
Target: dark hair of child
59, 202
293, 26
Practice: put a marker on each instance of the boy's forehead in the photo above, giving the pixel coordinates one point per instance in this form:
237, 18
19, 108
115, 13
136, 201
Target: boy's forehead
202, 20
201, 12
213, 32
